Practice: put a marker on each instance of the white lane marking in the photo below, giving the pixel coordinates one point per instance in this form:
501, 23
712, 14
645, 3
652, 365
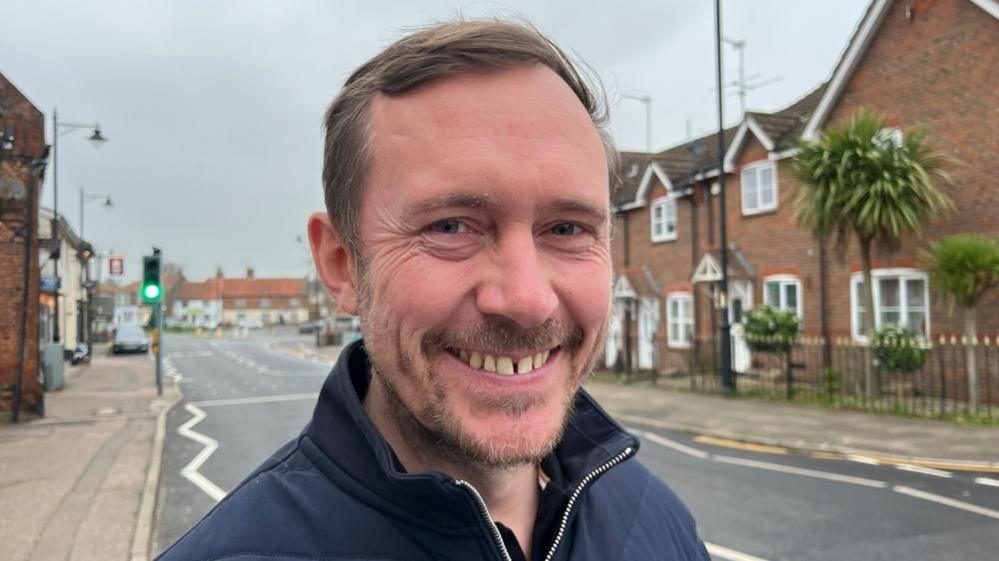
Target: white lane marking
190, 471
730, 554
947, 501
987, 481
801, 471
260, 399
863, 460
662, 441
924, 470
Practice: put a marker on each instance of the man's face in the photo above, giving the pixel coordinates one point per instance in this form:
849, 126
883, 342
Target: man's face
485, 277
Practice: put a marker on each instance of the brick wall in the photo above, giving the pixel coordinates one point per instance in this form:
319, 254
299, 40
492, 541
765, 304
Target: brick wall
936, 71
29, 141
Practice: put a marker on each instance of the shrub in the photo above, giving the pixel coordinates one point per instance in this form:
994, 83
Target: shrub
897, 349
769, 330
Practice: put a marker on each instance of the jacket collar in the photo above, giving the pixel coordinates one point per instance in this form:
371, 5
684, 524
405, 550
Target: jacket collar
344, 433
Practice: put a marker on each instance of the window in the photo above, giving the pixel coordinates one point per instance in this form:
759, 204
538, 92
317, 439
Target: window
783, 292
901, 297
889, 135
240, 303
121, 299
663, 219
265, 317
294, 302
265, 302
679, 319
759, 187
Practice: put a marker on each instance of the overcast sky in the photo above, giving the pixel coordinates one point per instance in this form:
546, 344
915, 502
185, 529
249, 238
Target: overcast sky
213, 108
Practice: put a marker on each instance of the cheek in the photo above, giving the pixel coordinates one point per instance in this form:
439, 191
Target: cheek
421, 292
587, 297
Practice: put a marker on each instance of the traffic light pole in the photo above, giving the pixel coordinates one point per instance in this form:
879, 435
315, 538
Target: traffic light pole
159, 347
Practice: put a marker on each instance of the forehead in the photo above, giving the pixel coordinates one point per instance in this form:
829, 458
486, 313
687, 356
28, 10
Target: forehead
481, 132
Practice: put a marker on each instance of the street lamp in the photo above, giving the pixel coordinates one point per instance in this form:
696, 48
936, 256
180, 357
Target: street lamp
727, 378
647, 100
106, 202
97, 139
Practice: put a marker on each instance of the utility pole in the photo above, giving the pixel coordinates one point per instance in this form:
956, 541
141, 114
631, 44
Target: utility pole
727, 379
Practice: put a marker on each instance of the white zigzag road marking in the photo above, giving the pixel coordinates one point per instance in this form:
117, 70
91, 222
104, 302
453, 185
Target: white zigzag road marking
190, 471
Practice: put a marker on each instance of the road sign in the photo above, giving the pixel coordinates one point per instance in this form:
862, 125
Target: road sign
116, 265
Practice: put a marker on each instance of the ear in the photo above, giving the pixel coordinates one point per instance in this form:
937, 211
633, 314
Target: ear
333, 262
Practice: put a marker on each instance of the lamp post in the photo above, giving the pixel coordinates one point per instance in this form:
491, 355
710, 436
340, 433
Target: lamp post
106, 202
97, 139
727, 379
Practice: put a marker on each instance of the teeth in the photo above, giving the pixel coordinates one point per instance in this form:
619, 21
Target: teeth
525, 365
504, 365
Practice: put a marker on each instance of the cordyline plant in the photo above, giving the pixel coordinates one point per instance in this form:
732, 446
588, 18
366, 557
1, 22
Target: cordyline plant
963, 268
857, 182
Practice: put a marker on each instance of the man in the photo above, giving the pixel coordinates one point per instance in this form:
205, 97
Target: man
468, 225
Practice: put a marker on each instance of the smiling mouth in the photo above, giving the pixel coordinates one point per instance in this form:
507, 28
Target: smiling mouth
500, 364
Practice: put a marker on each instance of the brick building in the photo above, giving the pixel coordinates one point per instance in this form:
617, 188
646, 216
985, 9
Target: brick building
22, 155
232, 301
922, 64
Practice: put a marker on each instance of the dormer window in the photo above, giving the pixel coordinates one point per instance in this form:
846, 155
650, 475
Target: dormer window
663, 219
759, 187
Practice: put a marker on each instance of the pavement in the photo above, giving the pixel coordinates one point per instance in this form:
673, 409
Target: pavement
79, 484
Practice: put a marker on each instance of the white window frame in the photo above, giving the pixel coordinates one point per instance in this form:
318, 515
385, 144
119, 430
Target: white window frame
903, 275
674, 336
757, 169
668, 206
784, 281
892, 135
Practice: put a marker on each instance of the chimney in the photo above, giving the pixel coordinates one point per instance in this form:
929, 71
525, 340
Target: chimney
249, 272
218, 272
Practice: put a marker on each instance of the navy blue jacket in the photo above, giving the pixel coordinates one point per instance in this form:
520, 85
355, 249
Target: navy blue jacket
338, 492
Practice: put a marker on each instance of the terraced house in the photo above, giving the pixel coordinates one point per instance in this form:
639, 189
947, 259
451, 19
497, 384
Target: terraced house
922, 64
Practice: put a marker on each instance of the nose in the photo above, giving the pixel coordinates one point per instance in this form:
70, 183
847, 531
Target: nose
517, 284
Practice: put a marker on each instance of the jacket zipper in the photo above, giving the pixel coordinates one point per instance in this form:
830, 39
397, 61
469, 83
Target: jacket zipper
578, 491
565, 516
485, 516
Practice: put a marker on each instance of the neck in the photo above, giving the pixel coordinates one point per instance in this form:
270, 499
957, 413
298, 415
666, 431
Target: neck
511, 493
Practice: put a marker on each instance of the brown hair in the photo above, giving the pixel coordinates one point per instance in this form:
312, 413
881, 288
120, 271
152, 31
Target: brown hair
438, 51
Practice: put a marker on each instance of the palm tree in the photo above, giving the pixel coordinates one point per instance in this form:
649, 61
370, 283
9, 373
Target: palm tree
964, 267
860, 181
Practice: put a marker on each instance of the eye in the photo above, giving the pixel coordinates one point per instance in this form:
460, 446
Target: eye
448, 227
566, 229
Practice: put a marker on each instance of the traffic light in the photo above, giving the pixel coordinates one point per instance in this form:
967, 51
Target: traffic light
152, 289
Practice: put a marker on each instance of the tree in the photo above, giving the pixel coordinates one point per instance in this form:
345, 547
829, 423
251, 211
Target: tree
859, 180
964, 267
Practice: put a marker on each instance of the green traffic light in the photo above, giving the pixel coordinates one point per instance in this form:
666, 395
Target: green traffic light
151, 292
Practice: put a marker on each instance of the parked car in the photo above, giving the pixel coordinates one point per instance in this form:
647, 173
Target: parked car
130, 338
312, 326
250, 323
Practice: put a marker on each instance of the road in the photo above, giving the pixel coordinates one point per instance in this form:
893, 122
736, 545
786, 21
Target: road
245, 398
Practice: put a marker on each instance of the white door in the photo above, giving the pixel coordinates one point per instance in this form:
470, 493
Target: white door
615, 333
648, 322
740, 300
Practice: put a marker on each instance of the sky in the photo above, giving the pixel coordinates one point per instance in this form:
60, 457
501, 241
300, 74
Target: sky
213, 109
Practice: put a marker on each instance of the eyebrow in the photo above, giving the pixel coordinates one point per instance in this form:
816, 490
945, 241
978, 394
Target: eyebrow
485, 202
457, 200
